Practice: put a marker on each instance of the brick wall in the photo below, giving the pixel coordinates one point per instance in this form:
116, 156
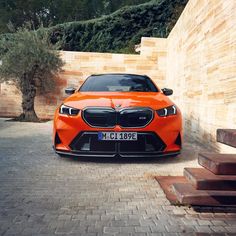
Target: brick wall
201, 68
79, 65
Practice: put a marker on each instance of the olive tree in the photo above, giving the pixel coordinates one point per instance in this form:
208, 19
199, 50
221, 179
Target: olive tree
31, 62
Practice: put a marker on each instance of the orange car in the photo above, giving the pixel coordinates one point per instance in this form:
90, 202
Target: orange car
122, 115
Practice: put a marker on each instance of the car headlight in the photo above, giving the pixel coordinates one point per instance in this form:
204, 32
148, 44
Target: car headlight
168, 111
70, 111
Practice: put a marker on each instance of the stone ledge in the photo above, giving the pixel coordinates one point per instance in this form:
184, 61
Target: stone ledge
227, 136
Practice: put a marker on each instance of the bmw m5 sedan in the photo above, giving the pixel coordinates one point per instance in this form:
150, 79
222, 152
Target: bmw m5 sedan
113, 115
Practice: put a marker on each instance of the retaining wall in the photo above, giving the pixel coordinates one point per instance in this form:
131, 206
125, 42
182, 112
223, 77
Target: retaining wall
201, 68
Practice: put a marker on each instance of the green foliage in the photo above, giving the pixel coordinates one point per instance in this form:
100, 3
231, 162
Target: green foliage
55, 11
29, 55
117, 32
120, 31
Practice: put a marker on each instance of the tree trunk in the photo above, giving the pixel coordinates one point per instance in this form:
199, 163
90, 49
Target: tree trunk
28, 91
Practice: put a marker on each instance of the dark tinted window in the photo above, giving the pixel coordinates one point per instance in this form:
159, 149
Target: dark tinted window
118, 82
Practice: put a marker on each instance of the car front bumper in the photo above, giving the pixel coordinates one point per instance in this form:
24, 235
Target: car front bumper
86, 144
164, 138
114, 155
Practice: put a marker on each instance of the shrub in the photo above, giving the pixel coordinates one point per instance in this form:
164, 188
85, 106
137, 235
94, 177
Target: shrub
121, 30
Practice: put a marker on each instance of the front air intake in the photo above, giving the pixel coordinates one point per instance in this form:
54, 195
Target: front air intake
57, 139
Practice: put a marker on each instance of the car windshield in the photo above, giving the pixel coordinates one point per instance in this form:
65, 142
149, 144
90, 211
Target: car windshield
118, 82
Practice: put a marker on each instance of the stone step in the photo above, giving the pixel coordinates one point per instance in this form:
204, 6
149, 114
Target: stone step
227, 136
188, 195
202, 179
219, 164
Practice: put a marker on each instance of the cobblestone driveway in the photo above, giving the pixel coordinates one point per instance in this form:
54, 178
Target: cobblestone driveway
42, 194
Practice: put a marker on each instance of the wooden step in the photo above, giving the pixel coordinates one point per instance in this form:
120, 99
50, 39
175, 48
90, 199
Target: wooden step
188, 195
227, 136
219, 164
202, 179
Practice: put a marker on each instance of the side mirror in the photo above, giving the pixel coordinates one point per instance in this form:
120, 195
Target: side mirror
70, 91
167, 91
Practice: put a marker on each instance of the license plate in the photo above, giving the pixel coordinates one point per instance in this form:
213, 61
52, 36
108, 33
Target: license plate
118, 136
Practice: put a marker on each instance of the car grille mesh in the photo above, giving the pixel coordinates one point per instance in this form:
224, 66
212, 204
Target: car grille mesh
127, 118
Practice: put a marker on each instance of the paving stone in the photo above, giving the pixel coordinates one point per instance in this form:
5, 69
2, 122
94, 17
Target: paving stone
139, 234
127, 229
170, 234
231, 229
179, 211
30, 231
107, 217
203, 229
206, 216
79, 230
149, 222
133, 223
218, 222
42, 194
64, 230
95, 229
231, 222
125, 234
111, 230
119, 223
155, 234
204, 222
93, 217
193, 222
47, 231
64, 217
175, 229
158, 229
142, 229
218, 229
13, 230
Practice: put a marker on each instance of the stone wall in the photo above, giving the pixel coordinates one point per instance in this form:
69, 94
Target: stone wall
201, 68
79, 65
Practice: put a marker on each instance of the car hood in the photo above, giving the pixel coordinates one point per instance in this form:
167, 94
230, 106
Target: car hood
154, 100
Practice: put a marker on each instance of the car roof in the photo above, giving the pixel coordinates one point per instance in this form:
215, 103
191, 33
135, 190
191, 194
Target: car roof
118, 74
